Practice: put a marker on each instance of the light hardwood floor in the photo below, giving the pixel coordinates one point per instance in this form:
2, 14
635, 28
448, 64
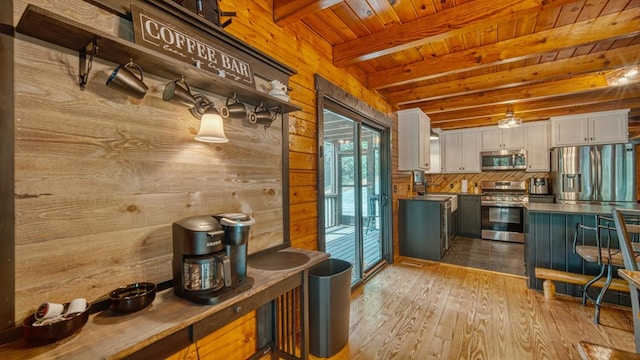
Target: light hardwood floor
442, 311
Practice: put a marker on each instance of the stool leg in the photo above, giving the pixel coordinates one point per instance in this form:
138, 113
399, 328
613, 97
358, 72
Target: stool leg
586, 286
596, 318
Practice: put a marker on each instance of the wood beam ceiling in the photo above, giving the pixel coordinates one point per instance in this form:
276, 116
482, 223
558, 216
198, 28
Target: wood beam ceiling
287, 11
522, 109
462, 62
598, 61
542, 114
474, 15
614, 26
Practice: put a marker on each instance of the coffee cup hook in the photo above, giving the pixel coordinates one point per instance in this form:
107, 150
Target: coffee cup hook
233, 97
85, 67
132, 64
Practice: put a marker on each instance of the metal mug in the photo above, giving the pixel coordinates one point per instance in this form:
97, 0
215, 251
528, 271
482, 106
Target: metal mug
264, 117
125, 81
179, 93
237, 110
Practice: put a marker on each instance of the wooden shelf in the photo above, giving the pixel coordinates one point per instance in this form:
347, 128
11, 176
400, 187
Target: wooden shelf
56, 29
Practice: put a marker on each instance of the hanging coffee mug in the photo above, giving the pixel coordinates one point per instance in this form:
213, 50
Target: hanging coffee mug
125, 81
237, 110
264, 117
177, 92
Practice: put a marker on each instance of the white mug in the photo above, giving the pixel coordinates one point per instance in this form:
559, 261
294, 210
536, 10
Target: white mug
48, 310
76, 306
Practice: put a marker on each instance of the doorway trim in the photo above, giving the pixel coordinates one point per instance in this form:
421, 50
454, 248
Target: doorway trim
329, 92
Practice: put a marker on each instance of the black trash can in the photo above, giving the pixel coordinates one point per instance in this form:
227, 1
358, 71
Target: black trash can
329, 306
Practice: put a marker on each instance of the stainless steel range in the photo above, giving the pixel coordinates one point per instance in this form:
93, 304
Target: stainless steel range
502, 210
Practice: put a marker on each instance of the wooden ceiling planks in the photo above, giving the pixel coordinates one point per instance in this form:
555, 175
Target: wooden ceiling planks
458, 56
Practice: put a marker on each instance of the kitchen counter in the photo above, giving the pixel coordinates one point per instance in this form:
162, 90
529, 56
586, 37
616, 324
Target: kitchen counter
432, 197
590, 209
107, 336
550, 230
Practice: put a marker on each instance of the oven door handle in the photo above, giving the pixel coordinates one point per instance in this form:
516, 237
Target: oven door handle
502, 205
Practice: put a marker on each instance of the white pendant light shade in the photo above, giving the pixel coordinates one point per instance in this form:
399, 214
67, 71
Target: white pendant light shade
211, 127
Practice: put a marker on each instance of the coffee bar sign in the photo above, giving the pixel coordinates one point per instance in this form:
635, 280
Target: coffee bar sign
155, 32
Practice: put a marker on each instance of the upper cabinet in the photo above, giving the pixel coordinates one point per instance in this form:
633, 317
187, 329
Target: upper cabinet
494, 138
436, 152
608, 127
536, 142
462, 151
414, 130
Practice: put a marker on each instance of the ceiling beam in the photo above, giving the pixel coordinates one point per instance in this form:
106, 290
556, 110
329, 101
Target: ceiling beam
521, 109
470, 16
598, 61
574, 85
541, 115
613, 26
287, 11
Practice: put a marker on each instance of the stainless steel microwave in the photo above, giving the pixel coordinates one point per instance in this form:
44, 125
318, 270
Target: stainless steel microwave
504, 160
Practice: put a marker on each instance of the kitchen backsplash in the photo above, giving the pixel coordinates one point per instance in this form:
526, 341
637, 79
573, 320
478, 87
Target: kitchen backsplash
452, 182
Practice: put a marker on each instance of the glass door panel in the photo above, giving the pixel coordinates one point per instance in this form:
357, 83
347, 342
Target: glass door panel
352, 192
371, 165
341, 211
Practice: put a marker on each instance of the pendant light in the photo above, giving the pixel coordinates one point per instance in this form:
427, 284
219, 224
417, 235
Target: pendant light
624, 76
509, 120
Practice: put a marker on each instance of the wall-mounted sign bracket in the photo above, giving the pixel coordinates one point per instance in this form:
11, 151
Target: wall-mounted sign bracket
85, 66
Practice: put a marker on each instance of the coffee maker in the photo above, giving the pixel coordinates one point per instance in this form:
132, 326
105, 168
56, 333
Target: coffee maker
209, 259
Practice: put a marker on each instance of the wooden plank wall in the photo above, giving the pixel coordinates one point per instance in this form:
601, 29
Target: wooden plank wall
101, 177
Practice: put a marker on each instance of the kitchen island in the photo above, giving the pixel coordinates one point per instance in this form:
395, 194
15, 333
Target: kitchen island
549, 232
170, 321
423, 226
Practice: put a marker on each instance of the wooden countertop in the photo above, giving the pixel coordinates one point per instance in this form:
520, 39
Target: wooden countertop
577, 208
631, 276
112, 337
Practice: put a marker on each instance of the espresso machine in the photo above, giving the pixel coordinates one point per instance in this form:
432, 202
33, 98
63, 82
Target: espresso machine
210, 257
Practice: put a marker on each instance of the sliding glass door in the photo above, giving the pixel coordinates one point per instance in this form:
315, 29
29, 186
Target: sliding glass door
353, 190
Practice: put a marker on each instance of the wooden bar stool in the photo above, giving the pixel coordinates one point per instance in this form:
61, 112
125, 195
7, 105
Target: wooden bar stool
602, 253
627, 229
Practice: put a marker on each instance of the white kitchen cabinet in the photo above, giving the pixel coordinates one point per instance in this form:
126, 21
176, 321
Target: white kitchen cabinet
462, 151
536, 136
607, 127
413, 140
495, 138
436, 153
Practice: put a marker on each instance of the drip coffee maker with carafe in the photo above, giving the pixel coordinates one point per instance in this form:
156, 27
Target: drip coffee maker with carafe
210, 257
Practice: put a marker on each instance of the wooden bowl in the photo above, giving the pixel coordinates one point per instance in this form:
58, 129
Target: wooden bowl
132, 297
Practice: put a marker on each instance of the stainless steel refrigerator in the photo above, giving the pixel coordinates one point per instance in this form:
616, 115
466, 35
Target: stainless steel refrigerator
594, 173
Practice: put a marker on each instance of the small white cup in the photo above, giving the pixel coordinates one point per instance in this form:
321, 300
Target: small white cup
76, 306
48, 310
